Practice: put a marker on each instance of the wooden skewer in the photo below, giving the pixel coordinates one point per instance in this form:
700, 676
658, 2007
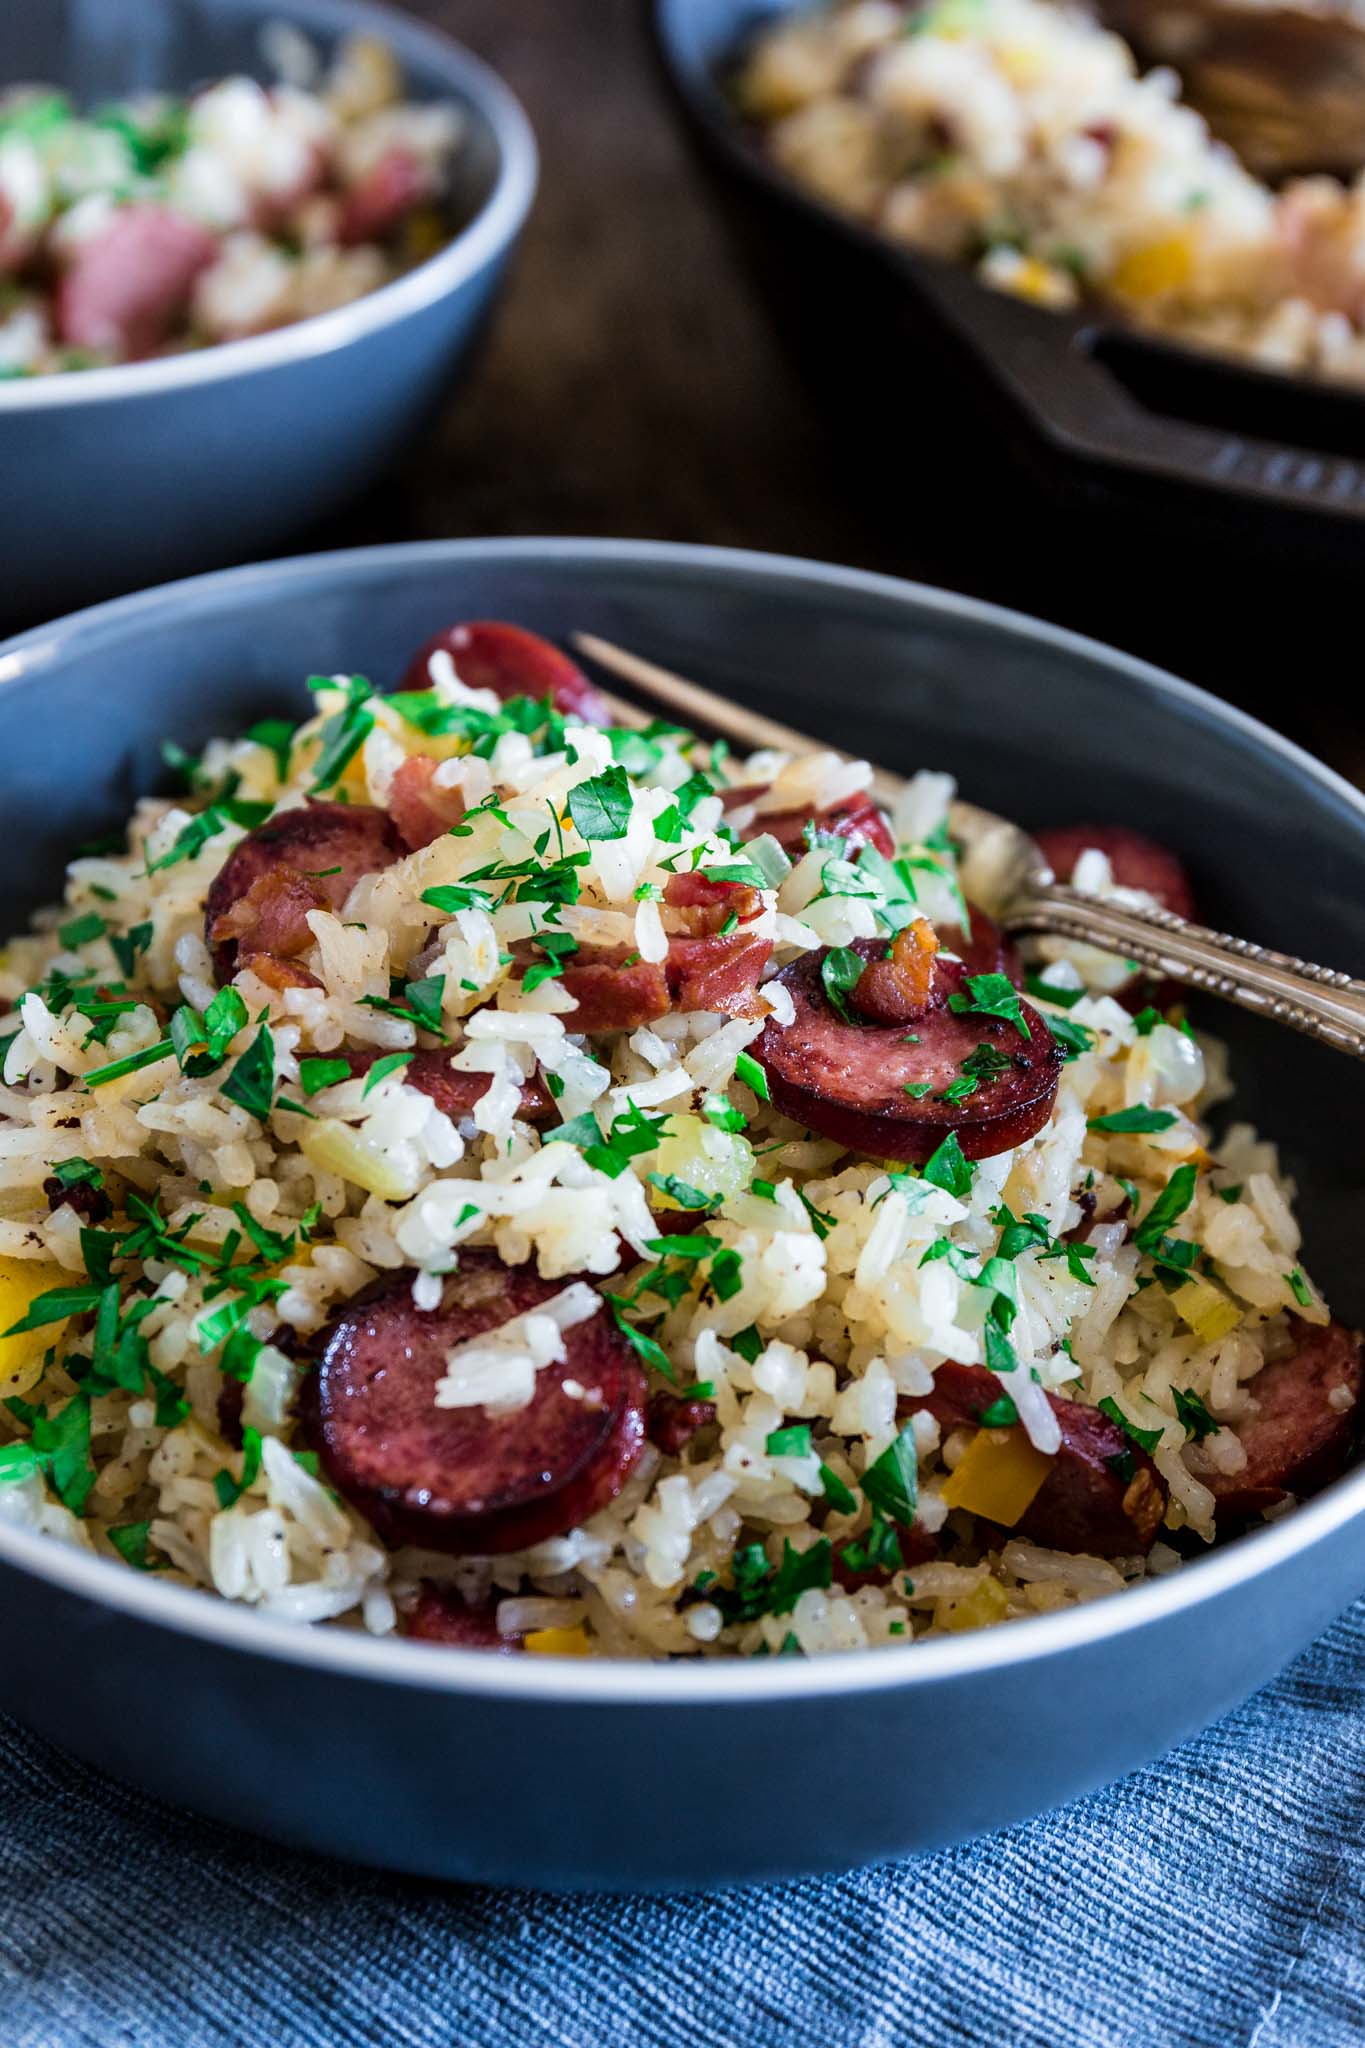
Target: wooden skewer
693, 705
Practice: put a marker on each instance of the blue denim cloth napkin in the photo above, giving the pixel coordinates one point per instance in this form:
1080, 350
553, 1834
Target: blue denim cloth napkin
1213, 1901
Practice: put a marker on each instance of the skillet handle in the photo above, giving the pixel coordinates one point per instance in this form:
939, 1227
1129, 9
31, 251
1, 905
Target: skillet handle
1048, 369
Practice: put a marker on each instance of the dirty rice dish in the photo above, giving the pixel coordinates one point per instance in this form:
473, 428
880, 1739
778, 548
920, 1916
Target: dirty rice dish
1017, 136
161, 224
474, 1173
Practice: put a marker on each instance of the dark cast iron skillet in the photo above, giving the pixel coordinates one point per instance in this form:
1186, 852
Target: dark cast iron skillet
1088, 402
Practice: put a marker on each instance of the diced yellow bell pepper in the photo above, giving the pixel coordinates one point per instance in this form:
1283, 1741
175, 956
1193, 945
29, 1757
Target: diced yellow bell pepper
986, 1603
998, 1475
1155, 268
1206, 1309
21, 1358
559, 1642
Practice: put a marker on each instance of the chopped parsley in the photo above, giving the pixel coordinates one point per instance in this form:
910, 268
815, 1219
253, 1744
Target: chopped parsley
601, 806
840, 971
1193, 1415
1145, 1439
991, 995
1132, 1121
891, 1483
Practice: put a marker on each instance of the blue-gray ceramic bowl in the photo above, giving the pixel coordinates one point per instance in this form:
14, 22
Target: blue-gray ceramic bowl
566, 1773
115, 479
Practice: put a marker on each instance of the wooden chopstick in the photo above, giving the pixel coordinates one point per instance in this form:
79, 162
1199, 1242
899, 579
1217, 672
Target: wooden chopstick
693, 706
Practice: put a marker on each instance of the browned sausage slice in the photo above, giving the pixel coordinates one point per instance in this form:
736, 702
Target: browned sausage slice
511, 662
850, 1080
1297, 1439
307, 859
1137, 862
453, 1092
462, 1479
1103, 1496
441, 1616
860, 821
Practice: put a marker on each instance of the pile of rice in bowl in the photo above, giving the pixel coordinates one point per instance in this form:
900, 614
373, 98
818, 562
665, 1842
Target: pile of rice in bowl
1018, 136
471, 1170
160, 224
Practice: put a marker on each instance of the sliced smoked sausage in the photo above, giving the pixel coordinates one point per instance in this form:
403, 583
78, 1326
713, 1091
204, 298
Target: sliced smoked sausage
1297, 1438
849, 1080
860, 821
301, 860
1103, 1496
453, 1092
464, 1479
129, 283
442, 1616
490, 655
1136, 861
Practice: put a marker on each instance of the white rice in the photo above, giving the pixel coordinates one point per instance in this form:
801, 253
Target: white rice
833, 1316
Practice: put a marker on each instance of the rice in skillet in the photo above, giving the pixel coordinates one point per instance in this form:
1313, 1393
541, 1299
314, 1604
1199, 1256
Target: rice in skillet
1019, 137
850, 1364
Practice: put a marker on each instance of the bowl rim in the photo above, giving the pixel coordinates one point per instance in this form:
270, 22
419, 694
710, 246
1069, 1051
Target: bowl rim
569, 1681
492, 229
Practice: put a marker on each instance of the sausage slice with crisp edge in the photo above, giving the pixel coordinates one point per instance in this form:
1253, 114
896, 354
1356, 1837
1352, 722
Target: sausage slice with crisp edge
462, 1479
301, 860
1103, 1496
850, 1080
1297, 1438
455, 1093
490, 655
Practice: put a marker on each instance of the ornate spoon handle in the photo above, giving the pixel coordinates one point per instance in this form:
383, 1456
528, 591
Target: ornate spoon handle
1317, 1000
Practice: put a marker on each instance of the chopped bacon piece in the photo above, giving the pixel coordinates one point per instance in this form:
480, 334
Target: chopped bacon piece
422, 813
611, 996
895, 989
716, 974
272, 915
279, 974
706, 904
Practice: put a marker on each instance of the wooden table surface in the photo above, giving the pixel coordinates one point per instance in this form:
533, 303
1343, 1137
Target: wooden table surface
632, 385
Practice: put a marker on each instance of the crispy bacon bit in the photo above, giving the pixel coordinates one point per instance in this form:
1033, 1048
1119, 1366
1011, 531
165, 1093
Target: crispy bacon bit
705, 905
279, 974
420, 811
895, 989
673, 1420
611, 996
716, 974
272, 916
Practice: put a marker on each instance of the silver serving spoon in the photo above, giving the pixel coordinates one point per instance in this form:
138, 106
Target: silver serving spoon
1004, 870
